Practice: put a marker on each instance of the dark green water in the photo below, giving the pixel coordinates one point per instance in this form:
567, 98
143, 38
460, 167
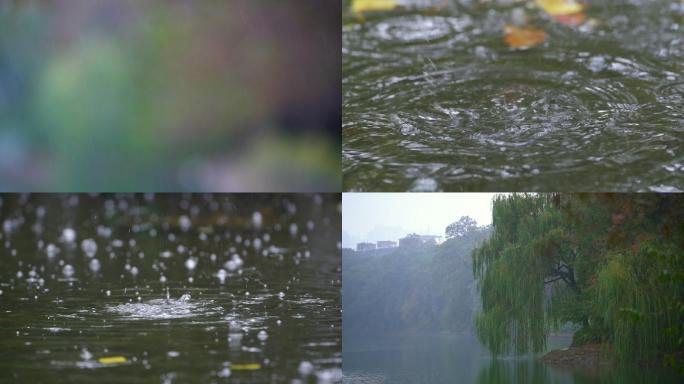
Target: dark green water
275, 317
426, 358
435, 100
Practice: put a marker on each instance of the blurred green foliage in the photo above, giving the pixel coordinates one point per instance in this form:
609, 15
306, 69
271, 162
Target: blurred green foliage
167, 95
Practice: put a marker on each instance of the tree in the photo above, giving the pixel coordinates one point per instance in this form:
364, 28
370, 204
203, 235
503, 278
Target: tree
601, 261
411, 240
461, 227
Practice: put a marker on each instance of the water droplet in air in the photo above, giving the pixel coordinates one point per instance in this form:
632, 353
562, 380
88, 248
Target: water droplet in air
305, 368
222, 274
184, 223
89, 247
94, 265
51, 250
68, 235
86, 355
225, 372
68, 271
190, 263
257, 219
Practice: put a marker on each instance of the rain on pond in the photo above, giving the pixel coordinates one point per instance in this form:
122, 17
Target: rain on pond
462, 95
170, 288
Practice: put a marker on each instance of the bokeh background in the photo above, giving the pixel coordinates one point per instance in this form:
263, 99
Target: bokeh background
116, 95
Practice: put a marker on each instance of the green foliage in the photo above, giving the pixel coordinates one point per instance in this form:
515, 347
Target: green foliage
588, 335
461, 227
611, 264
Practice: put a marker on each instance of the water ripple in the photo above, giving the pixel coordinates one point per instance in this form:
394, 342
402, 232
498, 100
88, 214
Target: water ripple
437, 102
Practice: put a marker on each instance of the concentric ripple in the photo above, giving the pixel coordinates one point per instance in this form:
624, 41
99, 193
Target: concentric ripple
438, 102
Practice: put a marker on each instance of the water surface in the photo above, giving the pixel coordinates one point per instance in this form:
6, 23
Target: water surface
433, 99
170, 288
459, 358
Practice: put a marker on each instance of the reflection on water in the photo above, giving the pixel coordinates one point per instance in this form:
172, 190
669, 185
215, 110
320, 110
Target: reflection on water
170, 288
435, 100
425, 358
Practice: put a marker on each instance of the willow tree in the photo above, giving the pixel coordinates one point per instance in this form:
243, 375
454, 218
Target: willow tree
611, 264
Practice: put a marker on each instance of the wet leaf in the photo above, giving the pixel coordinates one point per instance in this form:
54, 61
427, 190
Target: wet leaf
523, 37
245, 367
112, 360
359, 7
572, 19
560, 7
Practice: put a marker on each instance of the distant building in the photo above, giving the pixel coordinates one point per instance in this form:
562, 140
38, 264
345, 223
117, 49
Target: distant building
386, 244
360, 247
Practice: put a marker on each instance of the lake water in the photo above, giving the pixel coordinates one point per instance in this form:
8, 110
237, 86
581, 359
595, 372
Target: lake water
429, 358
170, 288
433, 99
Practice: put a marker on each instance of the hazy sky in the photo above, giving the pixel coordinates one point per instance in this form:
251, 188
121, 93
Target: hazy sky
367, 216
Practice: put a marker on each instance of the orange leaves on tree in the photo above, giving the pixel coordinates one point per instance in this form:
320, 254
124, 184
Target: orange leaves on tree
523, 37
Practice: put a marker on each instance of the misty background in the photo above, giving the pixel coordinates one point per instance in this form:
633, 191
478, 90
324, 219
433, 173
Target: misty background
372, 217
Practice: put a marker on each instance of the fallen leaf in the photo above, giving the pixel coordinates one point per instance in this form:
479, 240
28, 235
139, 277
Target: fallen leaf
112, 360
359, 7
560, 7
245, 367
572, 19
523, 37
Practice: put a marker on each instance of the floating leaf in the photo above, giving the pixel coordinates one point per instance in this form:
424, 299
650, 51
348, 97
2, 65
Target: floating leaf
112, 360
560, 7
572, 19
359, 7
245, 367
523, 37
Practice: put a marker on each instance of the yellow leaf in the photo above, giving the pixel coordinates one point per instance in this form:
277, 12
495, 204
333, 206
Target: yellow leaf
361, 6
560, 7
245, 367
523, 37
112, 360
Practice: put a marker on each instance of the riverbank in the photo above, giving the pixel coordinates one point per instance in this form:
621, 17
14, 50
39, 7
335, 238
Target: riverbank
585, 356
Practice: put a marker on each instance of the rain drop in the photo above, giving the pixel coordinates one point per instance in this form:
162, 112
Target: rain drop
305, 368
257, 219
184, 223
68, 235
89, 247
94, 265
68, 271
191, 263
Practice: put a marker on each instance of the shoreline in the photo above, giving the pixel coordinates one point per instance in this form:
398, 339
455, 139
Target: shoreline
585, 356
